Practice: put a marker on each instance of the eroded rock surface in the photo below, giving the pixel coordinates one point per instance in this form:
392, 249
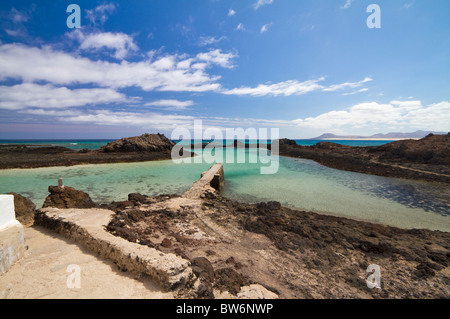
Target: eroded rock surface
68, 197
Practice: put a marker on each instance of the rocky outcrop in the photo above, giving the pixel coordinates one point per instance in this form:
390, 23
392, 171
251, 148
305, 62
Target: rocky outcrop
24, 209
67, 197
426, 159
143, 143
286, 141
433, 149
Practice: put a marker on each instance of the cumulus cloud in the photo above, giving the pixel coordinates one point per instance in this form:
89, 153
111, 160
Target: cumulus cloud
143, 119
28, 95
406, 114
121, 44
217, 57
171, 104
155, 73
100, 14
231, 12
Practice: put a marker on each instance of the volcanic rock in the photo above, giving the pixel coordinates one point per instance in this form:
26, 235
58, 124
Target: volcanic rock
24, 209
143, 143
67, 197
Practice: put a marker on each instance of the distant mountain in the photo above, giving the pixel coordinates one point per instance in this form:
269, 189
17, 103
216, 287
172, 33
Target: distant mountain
388, 136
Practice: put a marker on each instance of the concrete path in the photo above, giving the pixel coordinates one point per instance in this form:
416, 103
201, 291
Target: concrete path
42, 273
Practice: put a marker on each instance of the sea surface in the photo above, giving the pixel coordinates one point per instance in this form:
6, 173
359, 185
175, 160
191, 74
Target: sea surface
71, 144
298, 183
96, 144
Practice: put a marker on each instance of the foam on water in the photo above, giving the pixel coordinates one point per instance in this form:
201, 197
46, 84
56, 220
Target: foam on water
299, 183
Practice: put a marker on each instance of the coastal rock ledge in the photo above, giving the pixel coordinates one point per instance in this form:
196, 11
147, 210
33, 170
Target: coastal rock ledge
144, 143
67, 197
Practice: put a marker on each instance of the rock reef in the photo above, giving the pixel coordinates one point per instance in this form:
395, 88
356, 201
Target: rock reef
427, 159
148, 147
143, 143
292, 254
67, 197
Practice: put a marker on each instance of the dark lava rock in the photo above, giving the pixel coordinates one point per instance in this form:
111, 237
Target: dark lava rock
286, 141
424, 270
137, 198
202, 268
143, 143
25, 209
205, 290
433, 149
166, 243
67, 197
227, 279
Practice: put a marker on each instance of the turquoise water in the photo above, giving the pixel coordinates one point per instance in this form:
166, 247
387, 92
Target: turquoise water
71, 144
299, 183
96, 144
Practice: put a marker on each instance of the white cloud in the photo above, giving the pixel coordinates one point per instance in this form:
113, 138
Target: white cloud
399, 114
240, 27
100, 14
260, 3
16, 33
356, 92
120, 43
15, 27
17, 16
347, 85
156, 73
265, 27
294, 87
28, 95
203, 41
347, 4
231, 12
143, 119
171, 104
287, 88
55, 113
216, 57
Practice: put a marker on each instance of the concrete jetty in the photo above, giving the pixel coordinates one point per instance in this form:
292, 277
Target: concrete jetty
211, 180
87, 227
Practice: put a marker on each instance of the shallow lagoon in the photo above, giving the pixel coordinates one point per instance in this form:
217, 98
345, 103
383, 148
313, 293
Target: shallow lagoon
299, 183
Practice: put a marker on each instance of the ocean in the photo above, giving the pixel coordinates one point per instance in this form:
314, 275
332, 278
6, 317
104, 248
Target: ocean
71, 144
96, 144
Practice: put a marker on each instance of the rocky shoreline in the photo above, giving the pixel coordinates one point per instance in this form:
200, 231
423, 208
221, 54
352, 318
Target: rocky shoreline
294, 254
427, 159
265, 250
148, 147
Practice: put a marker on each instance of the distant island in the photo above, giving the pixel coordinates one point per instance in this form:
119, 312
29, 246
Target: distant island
381, 137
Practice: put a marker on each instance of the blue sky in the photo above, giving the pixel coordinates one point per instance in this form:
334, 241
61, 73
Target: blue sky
306, 67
